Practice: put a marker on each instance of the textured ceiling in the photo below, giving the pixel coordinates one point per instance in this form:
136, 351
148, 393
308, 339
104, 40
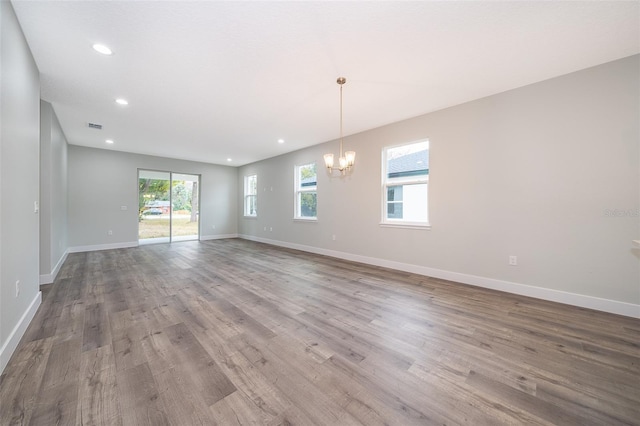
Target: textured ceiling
208, 80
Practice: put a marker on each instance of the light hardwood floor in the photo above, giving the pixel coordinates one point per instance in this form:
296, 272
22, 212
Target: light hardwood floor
236, 332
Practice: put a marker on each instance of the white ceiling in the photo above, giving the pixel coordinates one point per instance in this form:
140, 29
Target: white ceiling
209, 80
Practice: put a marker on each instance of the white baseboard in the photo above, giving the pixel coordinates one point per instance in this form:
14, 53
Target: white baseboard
583, 301
49, 278
81, 249
217, 237
18, 331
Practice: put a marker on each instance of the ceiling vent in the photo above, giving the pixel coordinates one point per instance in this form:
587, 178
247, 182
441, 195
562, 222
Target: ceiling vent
95, 126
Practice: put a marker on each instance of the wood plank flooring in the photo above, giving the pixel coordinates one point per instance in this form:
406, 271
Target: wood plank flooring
234, 332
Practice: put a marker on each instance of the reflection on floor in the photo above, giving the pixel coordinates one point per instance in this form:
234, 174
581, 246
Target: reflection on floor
159, 240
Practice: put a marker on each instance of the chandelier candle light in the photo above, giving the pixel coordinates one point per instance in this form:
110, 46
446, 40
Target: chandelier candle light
346, 159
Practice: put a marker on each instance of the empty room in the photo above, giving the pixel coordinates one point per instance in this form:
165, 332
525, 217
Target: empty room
319, 213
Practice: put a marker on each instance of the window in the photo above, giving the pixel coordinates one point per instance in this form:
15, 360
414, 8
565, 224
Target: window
306, 196
250, 195
405, 181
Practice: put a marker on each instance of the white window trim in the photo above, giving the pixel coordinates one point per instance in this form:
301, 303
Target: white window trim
247, 195
399, 223
298, 190
306, 219
408, 225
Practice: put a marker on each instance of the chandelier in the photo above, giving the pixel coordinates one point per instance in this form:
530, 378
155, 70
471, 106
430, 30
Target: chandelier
346, 159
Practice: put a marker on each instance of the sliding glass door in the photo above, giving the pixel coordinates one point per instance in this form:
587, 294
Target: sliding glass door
168, 206
184, 207
154, 206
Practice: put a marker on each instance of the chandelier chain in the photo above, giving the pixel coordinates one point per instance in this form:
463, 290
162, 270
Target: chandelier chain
341, 150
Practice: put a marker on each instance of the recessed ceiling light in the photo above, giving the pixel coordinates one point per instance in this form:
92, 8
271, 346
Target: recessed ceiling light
228, 159
109, 141
121, 101
280, 140
101, 48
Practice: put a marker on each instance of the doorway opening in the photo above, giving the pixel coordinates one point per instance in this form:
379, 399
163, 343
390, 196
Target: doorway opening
168, 207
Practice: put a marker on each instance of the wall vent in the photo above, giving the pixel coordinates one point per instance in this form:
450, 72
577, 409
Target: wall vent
95, 126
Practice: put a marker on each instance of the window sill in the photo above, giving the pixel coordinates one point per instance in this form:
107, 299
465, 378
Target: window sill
305, 219
408, 225
251, 216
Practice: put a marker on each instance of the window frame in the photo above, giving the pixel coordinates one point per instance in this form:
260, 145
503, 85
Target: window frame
402, 181
299, 190
248, 194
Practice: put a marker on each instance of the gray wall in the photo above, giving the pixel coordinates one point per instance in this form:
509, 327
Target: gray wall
53, 193
534, 172
19, 152
101, 181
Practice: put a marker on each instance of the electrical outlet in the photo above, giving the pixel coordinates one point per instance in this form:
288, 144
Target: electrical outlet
265, 228
17, 288
271, 229
123, 207
109, 232
333, 237
513, 260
